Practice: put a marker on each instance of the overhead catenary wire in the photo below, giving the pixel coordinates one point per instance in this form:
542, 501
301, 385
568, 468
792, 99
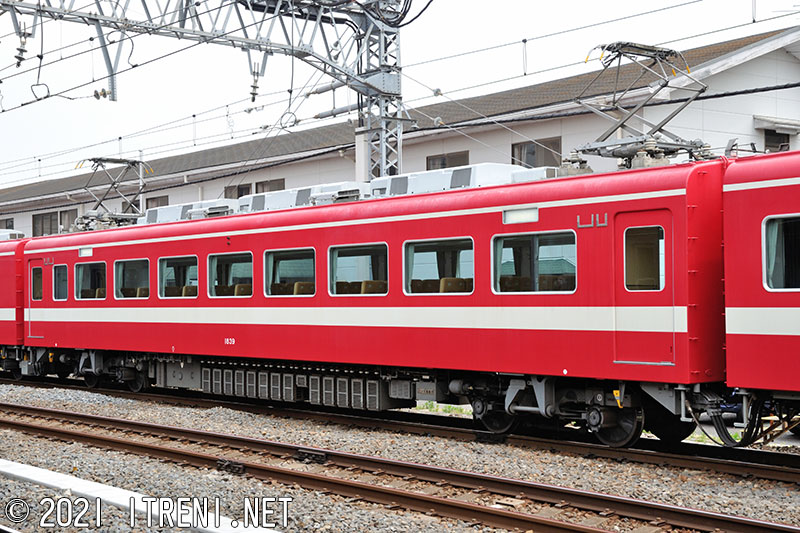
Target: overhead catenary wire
553, 34
465, 106
578, 63
94, 49
563, 66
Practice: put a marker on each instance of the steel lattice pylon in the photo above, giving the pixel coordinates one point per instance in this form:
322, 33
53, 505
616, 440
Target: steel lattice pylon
343, 39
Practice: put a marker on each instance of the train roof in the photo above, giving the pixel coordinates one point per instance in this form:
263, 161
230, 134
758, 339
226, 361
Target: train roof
596, 186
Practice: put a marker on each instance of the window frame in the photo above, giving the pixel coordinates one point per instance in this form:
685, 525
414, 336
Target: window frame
208, 274
66, 269
149, 276
446, 156
445, 239
537, 144
332, 281
764, 252
625, 260
494, 275
158, 277
77, 296
298, 249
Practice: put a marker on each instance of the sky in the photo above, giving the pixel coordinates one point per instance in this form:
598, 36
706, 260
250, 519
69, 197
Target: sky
153, 115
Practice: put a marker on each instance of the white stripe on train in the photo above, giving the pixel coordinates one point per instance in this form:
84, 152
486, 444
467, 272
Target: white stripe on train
644, 319
763, 320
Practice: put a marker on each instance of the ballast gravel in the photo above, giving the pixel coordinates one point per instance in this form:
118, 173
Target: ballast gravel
754, 498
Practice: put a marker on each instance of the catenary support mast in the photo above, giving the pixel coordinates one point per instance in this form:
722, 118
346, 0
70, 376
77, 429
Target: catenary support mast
357, 44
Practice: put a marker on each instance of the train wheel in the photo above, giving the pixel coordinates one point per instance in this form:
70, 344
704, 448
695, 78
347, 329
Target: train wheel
16, 374
91, 380
499, 421
137, 384
626, 431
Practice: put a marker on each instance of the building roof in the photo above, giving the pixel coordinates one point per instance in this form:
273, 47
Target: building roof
217, 162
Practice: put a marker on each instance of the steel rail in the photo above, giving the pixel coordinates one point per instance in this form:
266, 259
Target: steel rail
585, 500
355, 489
741, 462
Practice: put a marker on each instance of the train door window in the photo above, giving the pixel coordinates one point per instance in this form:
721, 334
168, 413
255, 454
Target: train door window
132, 279
782, 248
177, 277
90, 281
60, 289
644, 259
541, 262
36, 283
289, 273
359, 270
230, 274
439, 267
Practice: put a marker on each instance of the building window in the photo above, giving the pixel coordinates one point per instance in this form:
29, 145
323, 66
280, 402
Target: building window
156, 201
237, 191
132, 279
67, 219
776, 142
542, 153
543, 262
177, 277
290, 273
7, 223
230, 275
782, 247
454, 159
359, 270
644, 259
439, 266
270, 186
36, 283
60, 290
54, 222
45, 224
90, 281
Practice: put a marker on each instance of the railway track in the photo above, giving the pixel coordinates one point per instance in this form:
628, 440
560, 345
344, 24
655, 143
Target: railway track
490, 500
750, 463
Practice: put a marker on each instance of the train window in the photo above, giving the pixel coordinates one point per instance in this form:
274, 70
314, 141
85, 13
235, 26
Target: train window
177, 277
540, 262
439, 267
132, 279
644, 259
230, 274
359, 270
782, 247
289, 273
90, 281
36, 283
60, 290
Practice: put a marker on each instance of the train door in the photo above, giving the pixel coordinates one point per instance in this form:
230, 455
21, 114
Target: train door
35, 301
644, 313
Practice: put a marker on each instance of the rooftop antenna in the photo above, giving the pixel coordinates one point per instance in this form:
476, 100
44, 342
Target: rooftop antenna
650, 144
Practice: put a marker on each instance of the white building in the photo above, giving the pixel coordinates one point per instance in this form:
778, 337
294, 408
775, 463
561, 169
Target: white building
753, 95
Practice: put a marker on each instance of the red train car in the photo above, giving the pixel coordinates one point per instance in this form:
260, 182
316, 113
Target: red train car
762, 273
11, 293
596, 298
